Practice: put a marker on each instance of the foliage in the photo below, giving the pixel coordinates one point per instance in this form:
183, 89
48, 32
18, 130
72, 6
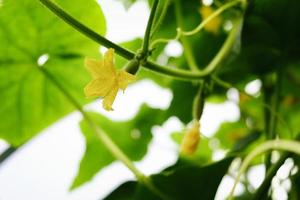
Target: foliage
225, 45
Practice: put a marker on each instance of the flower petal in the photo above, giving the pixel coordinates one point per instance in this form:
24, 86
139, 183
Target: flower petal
124, 78
109, 63
98, 87
94, 67
110, 98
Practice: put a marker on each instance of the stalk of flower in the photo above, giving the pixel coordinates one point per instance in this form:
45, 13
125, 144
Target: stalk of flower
106, 79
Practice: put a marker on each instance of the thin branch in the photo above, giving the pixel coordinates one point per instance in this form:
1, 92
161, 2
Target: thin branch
176, 73
193, 75
7, 153
285, 145
85, 30
148, 28
188, 53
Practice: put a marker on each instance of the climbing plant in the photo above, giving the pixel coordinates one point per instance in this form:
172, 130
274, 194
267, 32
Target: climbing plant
50, 63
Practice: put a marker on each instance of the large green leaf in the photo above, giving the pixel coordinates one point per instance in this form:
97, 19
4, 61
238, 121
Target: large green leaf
181, 183
270, 39
131, 136
29, 101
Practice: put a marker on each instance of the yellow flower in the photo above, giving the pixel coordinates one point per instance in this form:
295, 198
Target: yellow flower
106, 80
191, 139
214, 24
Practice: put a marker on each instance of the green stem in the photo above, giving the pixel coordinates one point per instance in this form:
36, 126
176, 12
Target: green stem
187, 48
286, 145
201, 25
176, 73
211, 17
262, 191
227, 85
275, 104
85, 30
199, 101
148, 28
272, 118
193, 75
9, 151
159, 18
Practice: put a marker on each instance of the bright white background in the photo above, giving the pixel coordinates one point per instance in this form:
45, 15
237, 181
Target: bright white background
45, 167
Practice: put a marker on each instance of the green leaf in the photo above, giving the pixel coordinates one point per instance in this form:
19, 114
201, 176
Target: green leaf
29, 101
282, 16
269, 39
182, 102
180, 183
127, 3
131, 136
230, 132
123, 192
246, 141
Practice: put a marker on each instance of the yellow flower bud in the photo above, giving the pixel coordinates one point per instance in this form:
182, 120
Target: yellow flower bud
191, 139
214, 24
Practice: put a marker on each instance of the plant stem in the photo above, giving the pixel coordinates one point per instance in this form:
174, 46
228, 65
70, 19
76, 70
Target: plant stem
187, 48
201, 25
271, 117
193, 75
85, 30
275, 105
9, 151
262, 191
199, 101
145, 46
176, 73
286, 145
227, 85
159, 19
212, 16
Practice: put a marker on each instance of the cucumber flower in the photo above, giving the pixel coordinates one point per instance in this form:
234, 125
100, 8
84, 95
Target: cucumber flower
106, 79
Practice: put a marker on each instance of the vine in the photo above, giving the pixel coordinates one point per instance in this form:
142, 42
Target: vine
286, 145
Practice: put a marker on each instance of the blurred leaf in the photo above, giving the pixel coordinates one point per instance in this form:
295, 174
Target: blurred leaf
127, 3
269, 39
216, 99
182, 102
282, 16
181, 183
252, 111
29, 101
230, 132
123, 192
131, 136
245, 141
